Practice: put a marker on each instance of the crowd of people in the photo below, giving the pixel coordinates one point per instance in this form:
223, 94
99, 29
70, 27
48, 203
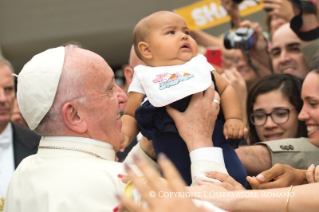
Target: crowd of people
243, 136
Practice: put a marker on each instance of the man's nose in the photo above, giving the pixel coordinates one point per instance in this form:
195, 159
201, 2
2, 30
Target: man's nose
3, 96
284, 56
121, 95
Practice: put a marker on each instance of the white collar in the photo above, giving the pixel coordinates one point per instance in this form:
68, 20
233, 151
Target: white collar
78, 139
6, 136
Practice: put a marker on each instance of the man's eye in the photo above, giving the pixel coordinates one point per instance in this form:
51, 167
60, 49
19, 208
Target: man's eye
8, 90
295, 49
275, 53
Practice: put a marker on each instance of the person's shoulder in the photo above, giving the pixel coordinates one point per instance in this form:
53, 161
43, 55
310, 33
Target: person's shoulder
290, 144
25, 136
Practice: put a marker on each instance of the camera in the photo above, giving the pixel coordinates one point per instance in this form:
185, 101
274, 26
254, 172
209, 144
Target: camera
242, 38
237, 1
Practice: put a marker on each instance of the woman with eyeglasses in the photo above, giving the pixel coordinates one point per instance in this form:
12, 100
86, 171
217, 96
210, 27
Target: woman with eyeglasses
273, 105
230, 195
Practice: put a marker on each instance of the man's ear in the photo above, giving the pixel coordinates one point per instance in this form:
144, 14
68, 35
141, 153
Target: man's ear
73, 118
144, 50
128, 73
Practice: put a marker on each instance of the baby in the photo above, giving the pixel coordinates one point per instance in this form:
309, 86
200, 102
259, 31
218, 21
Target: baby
173, 73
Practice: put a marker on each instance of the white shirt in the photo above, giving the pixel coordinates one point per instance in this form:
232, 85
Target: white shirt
78, 139
6, 159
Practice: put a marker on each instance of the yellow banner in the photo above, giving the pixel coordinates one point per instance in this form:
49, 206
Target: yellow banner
209, 13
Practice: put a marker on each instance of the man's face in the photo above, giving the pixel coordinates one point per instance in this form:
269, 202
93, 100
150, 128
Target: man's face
236, 58
6, 95
102, 108
286, 54
169, 40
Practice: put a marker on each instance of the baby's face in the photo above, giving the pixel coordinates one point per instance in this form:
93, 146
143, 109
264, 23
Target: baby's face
169, 41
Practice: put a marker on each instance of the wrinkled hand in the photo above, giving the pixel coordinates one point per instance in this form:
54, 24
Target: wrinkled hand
155, 184
283, 176
226, 181
234, 128
196, 124
279, 8
312, 174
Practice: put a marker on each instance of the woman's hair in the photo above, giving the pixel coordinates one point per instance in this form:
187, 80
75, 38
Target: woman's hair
289, 85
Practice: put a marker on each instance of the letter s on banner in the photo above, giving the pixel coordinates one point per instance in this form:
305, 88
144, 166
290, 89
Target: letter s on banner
208, 13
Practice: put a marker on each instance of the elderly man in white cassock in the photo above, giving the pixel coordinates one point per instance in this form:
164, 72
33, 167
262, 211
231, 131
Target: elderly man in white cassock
69, 97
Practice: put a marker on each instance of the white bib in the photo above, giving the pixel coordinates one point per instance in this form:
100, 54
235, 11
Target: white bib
167, 84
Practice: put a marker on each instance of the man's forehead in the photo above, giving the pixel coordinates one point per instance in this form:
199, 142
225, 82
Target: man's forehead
5, 72
284, 35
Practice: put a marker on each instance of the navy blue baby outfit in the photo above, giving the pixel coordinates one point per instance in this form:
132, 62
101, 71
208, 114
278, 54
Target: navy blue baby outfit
155, 124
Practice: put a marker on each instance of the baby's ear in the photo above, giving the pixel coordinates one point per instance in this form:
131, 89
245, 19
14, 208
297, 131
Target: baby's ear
143, 48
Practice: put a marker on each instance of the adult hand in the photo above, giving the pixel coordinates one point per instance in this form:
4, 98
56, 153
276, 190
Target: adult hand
312, 174
259, 50
213, 193
156, 185
196, 124
283, 176
230, 6
279, 8
260, 43
226, 181
233, 11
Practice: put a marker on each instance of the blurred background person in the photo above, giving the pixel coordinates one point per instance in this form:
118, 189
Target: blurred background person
17, 117
16, 142
273, 106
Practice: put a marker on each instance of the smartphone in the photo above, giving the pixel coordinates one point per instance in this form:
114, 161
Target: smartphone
214, 56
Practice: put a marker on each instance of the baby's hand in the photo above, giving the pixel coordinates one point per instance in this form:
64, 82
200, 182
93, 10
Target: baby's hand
124, 144
234, 128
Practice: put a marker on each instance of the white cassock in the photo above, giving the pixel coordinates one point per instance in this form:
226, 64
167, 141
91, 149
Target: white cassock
71, 177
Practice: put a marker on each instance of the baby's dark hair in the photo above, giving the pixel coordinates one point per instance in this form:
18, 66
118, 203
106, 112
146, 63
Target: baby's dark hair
142, 30
140, 33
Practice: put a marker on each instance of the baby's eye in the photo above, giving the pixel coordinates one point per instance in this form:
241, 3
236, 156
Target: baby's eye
187, 33
171, 32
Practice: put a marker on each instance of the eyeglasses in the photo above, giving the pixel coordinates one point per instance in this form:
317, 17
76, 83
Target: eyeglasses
279, 116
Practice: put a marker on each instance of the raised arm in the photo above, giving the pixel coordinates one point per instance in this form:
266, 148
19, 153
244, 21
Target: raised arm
254, 158
129, 124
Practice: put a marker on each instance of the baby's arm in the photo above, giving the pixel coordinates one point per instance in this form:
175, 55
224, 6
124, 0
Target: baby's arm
234, 126
129, 125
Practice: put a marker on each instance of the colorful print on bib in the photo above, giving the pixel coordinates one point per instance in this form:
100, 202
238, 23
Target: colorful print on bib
167, 80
